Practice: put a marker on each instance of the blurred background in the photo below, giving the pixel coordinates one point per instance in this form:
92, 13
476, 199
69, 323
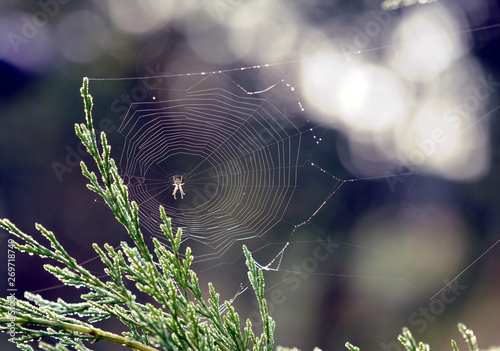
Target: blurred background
407, 92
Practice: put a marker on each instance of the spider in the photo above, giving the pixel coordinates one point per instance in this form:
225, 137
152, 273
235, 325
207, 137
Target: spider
178, 187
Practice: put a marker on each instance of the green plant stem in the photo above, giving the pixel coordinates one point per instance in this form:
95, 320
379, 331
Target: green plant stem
95, 333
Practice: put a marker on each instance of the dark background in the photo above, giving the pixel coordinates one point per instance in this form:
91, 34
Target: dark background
40, 77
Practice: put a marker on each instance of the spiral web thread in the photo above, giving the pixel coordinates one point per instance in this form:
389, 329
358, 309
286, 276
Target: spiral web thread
236, 152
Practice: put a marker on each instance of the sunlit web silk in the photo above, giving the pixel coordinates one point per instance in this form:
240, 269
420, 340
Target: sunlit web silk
237, 154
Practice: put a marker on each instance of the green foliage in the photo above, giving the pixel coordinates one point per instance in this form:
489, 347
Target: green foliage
468, 336
177, 317
410, 344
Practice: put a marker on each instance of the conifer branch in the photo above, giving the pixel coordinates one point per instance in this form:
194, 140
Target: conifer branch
92, 333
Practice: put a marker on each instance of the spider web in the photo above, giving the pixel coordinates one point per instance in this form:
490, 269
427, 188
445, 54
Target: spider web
241, 156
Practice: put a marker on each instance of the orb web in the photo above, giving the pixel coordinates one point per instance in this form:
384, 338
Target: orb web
236, 153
